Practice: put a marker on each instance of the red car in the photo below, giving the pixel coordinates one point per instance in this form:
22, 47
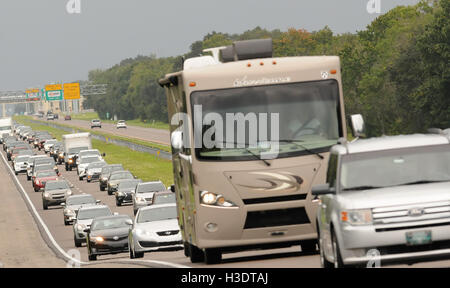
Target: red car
68, 117
42, 177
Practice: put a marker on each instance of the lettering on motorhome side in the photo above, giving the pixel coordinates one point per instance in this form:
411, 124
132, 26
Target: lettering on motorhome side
263, 81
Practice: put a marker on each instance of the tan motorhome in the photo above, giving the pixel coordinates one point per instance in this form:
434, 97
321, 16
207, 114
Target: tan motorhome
238, 194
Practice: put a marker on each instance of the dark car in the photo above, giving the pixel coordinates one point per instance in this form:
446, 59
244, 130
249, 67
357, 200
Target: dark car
106, 171
108, 235
115, 178
125, 191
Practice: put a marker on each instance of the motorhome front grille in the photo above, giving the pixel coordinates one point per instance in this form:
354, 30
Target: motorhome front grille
273, 218
275, 199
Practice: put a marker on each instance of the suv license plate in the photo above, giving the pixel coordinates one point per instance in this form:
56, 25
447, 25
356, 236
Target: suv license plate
418, 237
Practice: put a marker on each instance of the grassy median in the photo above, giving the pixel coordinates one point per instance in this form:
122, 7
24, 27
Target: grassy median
145, 166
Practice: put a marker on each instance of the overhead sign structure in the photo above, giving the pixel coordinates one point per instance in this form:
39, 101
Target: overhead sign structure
72, 91
32, 94
54, 92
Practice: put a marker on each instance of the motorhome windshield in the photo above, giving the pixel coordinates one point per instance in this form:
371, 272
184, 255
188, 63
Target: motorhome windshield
309, 118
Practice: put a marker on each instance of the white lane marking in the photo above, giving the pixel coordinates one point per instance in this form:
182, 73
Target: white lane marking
69, 258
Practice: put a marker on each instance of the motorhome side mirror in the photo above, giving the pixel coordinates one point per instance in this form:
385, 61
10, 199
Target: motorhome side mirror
357, 125
172, 188
176, 139
322, 189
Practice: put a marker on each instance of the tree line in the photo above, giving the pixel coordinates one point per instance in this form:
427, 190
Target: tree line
395, 72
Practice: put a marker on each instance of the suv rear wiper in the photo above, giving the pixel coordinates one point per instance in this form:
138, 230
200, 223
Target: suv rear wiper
358, 188
295, 142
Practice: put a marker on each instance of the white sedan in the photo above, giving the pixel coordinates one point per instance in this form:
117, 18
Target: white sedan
155, 228
121, 124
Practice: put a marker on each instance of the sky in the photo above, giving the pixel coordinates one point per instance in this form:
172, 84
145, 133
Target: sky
41, 43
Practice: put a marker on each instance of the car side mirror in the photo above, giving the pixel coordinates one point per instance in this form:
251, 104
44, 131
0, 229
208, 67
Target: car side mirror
129, 222
63, 204
172, 188
322, 189
104, 154
176, 139
71, 186
87, 230
357, 125
98, 201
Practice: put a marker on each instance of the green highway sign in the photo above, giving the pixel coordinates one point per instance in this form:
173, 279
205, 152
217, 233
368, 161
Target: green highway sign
56, 95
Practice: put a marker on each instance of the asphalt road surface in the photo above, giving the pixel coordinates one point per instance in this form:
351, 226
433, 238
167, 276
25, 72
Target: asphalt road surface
20, 232
159, 136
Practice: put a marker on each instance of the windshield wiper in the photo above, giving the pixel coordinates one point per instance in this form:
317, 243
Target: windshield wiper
295, 142
250, 152
358, 188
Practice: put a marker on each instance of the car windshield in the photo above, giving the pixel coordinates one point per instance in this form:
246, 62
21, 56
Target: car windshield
110, 223
95, 165
24, 158
395, 167
150, 187
85, 214
42, 167
80, 200
157, 214
121, 175
91, 152
77, 150
44, 174
308, 113
87, 160
51, 141
165, 198
128, 184
56, 185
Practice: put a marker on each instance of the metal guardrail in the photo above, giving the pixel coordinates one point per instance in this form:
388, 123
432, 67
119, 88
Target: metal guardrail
133, 146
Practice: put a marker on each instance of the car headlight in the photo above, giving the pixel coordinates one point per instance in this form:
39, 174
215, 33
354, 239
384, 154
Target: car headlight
120, 193
357, 217
212, 199
141, 232
140, 199
46, 195
71, 161
99, 239
80, 227
68, 193
69, 212
61, 154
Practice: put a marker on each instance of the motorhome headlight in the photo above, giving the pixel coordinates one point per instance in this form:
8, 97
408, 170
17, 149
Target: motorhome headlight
357, 217
210, 198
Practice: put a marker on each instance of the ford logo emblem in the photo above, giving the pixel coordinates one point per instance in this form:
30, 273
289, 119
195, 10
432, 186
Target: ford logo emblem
416, 212
116, 238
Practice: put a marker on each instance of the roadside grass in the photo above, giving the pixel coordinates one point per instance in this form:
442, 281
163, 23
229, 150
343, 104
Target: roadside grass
88, 116
143, 165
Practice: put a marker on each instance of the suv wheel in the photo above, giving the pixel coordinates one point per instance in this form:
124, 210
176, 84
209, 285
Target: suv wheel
338, 263
77, 242
309, 246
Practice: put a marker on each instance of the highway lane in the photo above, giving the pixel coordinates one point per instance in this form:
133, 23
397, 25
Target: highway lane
159, 136
279, 258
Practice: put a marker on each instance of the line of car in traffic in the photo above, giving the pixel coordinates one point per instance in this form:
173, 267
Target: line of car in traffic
155, 225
